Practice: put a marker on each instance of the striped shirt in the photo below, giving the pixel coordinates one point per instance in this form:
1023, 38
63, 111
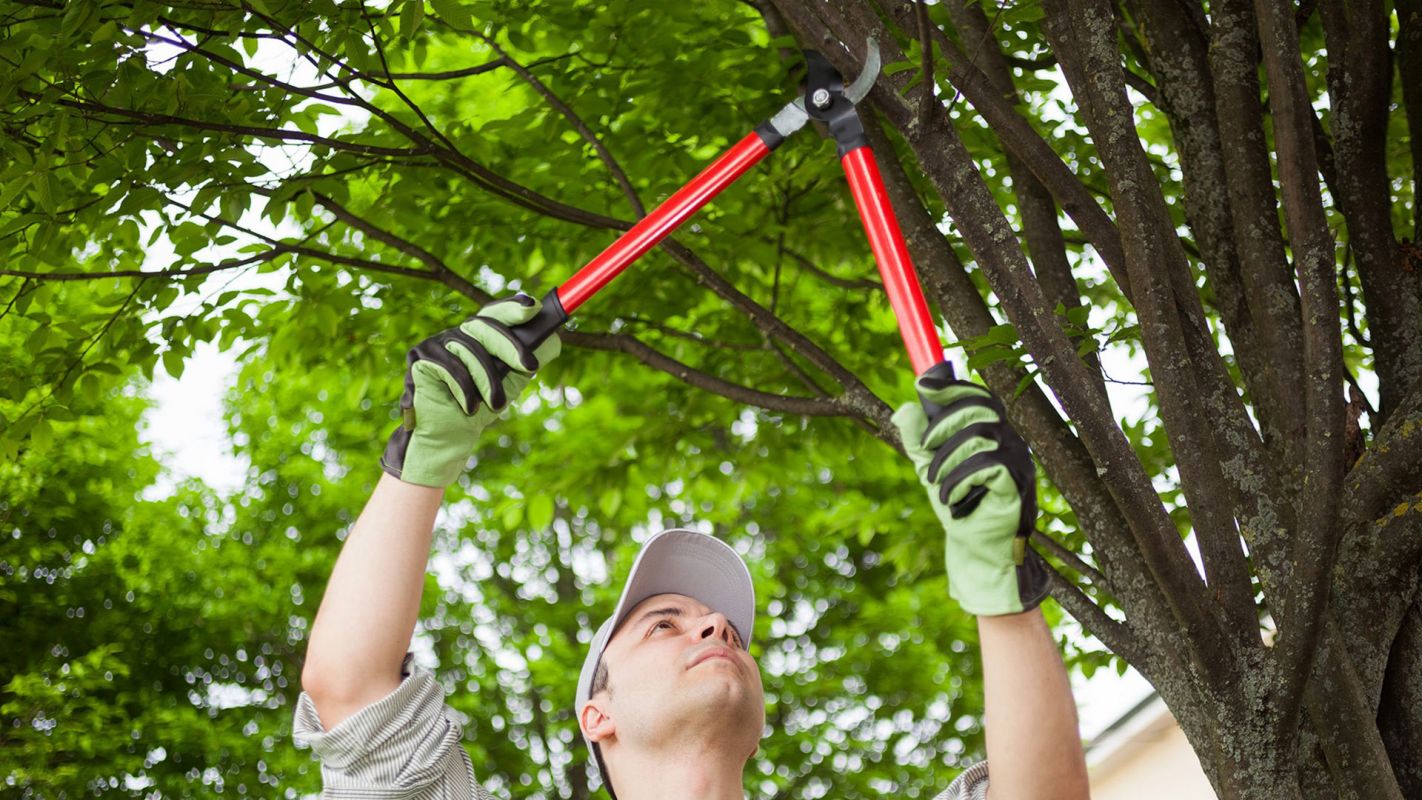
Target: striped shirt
406, 745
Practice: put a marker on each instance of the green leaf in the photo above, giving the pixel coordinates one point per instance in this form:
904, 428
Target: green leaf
609, 501
41, 436
173, 362
512, 516
44, 194
453, 12
12, 187
411, 17
540, 511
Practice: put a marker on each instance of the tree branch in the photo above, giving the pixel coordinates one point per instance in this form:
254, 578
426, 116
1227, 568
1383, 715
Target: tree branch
150, 118
1071, 559
858, 398
626, 343
1302, 605
169, 274
618, 174
1020, 139
1360, 91
1035, 205
928, 95
1117, 637
1389, 469
447, 153
1269, 288
445, 274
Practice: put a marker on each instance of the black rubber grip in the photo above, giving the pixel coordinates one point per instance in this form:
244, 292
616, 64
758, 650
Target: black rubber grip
550, 318
941, 373
536, 331
769, 135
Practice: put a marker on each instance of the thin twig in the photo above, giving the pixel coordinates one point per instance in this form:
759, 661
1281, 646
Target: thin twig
805, 406
928, 96
25, 288
170, 274
618, 173
454, 74
1071, 559
1348, 301
690, 336
846, 283
394, 85
95, 339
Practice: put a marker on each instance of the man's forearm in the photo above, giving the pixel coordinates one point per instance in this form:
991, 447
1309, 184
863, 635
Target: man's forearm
368, 613
1033, 743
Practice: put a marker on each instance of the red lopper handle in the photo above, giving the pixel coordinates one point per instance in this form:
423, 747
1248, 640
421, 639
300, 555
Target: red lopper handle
925, 349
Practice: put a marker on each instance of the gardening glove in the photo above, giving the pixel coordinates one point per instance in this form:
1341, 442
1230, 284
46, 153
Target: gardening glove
453, 390
982, 484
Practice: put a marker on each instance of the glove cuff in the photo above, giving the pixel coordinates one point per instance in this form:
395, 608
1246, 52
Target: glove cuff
1033, 580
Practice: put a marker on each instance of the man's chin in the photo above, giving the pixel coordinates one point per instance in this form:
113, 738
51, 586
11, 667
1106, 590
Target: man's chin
726, 692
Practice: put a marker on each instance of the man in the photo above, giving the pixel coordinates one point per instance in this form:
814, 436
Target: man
669, 700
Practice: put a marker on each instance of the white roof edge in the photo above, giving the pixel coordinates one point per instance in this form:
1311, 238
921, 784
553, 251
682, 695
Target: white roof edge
1123, 736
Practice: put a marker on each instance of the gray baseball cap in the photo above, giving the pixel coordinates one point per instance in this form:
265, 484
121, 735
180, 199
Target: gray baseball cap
676, 561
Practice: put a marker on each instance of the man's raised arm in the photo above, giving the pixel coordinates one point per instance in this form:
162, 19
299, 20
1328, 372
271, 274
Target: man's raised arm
367, 616
1033, 742
982, 485
368, 613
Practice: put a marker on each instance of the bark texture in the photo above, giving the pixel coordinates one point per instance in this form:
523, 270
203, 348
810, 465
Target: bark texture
1237, 297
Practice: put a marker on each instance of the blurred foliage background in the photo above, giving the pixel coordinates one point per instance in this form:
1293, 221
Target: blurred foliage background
316, 186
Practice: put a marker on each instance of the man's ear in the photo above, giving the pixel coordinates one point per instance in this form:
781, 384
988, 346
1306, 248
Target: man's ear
596, 720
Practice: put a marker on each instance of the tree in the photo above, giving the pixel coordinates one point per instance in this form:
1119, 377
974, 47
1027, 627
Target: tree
1079, 181
114, 679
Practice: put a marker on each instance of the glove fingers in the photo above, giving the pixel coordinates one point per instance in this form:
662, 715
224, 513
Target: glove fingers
483, 367
447, 369
956, 416
982, 474
450, 372
942, 393
511, 311
493, 328
973, 438
499, 340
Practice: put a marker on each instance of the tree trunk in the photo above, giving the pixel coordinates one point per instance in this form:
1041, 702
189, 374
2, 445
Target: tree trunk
1400, 711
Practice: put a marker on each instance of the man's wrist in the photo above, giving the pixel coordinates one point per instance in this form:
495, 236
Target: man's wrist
1032, 617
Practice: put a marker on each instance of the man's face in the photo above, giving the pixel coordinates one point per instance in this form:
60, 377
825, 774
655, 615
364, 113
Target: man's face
678, 669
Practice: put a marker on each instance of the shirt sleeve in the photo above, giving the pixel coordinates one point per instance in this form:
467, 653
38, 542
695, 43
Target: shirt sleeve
404, 745
972, 784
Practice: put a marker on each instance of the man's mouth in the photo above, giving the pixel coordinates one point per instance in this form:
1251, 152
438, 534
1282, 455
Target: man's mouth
717, 652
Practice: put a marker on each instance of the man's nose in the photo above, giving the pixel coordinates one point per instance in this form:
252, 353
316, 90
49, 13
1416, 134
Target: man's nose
716, 626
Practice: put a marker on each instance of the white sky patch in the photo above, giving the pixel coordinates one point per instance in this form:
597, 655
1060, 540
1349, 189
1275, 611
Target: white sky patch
186, 425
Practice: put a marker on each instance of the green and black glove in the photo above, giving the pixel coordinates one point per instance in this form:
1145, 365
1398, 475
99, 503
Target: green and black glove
453, 390
982, 484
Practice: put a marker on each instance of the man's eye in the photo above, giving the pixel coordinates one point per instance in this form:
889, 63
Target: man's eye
659, 625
